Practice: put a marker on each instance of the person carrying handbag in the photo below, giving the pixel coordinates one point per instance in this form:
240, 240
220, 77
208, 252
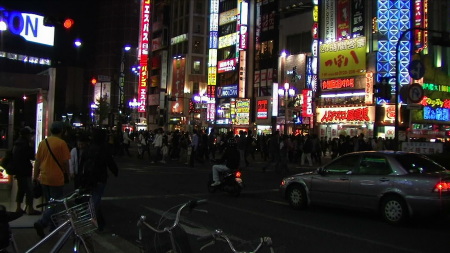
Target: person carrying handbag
50, 167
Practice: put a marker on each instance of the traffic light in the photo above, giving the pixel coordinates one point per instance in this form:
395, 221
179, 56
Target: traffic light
68, 23
93, 80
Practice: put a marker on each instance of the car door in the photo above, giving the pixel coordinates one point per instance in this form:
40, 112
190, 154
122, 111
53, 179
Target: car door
331, 187
369, 180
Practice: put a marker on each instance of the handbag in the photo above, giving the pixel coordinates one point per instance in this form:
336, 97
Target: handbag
66, 175
37, 190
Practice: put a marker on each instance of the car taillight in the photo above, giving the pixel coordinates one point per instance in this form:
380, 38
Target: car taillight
238, 174
442, 187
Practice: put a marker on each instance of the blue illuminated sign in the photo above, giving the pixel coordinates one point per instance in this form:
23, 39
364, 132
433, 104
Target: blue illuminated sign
440, 114
229, 91
27, 25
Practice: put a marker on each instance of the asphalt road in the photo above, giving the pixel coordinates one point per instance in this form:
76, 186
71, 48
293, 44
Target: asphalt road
152, 189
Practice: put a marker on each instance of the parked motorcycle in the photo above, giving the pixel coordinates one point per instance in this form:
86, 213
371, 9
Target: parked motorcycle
230, 182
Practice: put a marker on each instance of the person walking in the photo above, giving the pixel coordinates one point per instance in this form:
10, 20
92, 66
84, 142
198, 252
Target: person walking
157, 144
126, 141
94, 165
307, 150
194, 148
49, 170
75, 159
23, 153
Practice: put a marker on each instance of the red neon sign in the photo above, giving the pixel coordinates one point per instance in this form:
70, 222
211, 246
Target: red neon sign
262, 110
143, 54
360, 114
338, 83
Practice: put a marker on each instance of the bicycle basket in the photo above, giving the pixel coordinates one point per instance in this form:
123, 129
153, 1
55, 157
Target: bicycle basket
83, 217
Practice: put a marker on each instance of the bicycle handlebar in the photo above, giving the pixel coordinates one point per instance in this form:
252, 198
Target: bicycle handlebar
218, 234
76, 194
190, 204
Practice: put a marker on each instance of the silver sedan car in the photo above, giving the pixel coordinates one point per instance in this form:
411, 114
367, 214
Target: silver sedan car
398, 185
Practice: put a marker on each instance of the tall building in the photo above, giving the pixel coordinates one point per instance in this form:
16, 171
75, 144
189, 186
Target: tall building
381, 69
182, 82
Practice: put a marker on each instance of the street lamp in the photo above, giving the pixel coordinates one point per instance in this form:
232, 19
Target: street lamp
287, 92
126, 48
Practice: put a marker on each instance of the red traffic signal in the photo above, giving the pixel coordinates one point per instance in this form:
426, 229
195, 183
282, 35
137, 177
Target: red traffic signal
68, 23
93, 81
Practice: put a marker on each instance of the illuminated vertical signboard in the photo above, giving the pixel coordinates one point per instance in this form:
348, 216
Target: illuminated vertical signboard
144, 39
343, 19
242, 111
213, 41
307, 110
242, 45
420, 20
178, 78
329, 22
357, 20
393, 18
212, 61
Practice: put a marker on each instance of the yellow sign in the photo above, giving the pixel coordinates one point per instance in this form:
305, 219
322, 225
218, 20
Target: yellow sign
343, 58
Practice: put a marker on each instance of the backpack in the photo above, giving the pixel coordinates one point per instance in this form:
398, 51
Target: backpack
7, 162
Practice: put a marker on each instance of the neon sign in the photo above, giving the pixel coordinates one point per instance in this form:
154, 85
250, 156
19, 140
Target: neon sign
426, 101
338, 83
143, 53
262, 109
307, 103
440, 114
336, 115
27, 25
226, 65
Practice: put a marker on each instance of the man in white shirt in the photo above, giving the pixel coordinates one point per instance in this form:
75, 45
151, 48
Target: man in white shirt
157, 143
126, 141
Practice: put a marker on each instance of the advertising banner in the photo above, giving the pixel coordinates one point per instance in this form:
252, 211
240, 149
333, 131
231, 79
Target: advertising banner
343, 58
345, 114
262, 109
358, 17
242, 111
178, 78
329, 22
343, 18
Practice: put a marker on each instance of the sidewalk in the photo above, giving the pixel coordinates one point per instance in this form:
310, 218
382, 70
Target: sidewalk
25, 237
25, 234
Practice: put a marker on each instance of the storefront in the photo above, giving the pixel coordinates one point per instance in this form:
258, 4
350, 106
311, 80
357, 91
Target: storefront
352, 121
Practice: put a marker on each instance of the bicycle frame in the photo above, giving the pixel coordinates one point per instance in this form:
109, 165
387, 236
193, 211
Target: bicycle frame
68, 225
191, 204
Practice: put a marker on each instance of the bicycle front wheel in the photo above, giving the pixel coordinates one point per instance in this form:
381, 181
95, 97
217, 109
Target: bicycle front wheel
83, 245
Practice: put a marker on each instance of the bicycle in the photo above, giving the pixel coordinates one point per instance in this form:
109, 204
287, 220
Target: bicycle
219, 235
181, 245
76, 221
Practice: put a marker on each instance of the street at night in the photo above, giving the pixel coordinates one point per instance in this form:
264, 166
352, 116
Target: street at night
149, 189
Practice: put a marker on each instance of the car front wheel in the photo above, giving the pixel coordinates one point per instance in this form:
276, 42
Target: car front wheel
296, 196
394, 210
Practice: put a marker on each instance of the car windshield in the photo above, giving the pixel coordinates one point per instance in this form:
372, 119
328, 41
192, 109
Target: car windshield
415, 164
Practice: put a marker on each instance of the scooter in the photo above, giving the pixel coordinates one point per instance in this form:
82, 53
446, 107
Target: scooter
230, 182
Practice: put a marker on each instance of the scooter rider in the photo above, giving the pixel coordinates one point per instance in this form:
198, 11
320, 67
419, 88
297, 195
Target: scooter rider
231, 158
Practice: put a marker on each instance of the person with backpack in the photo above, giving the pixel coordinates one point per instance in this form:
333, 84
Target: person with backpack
23, 153
95, 162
